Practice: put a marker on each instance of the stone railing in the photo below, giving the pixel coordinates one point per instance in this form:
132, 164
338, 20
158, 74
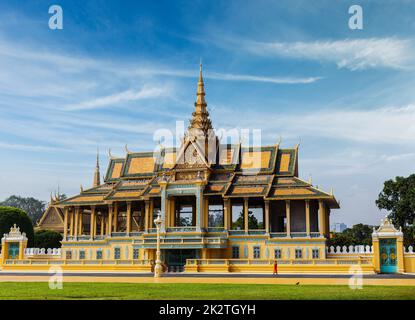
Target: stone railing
409, 250
181, 229
200, 262
31, 252
78, 262
361, 249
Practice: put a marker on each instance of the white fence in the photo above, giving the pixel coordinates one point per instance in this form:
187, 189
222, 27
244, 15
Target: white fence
359, 249
42, 251
410, 249
349, 249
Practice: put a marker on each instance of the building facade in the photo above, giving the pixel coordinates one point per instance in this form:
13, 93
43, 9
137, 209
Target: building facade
217, 201
223, 208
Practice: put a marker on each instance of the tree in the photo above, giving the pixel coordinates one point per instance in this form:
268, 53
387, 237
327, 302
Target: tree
239, 224
359, 234
32, 206
47, 239
10, 216
398, 197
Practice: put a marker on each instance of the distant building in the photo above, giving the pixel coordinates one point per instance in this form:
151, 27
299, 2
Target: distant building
338, 227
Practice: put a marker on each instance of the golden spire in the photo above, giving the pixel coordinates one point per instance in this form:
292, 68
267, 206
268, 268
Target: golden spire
97, 175
200, 117
200, 101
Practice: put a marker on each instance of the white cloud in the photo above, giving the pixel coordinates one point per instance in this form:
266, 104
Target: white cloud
353, 54
26, 147
276, 80
160, 71
121, 97
394, 125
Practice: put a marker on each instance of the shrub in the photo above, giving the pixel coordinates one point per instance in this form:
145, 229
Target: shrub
47, 239
10, 216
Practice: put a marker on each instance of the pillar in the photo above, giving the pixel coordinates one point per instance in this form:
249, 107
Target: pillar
321, 217
172, 220
400, 255
307, 217
81, 220
92, 223
72, 215
327, 223
76, 224
102, 224
206, 212
375, 254
115, 216
163, 207
288, 215
110, 218
227, 214
65, 223
246, 215
204, 253
267, 216
128, 218
147, 224
199, 208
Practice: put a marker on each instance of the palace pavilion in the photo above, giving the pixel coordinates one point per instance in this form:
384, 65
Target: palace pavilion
216, 201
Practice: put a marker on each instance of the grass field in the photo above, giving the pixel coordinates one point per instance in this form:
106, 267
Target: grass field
40, 290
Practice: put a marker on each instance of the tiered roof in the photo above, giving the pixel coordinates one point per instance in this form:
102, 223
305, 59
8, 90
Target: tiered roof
268, 172
228, 170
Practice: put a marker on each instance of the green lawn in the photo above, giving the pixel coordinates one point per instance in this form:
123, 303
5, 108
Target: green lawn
40, 290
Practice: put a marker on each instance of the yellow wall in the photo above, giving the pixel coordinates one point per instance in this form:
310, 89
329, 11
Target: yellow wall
409, 263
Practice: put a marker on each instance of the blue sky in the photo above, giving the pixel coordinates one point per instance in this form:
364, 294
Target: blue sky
119, 70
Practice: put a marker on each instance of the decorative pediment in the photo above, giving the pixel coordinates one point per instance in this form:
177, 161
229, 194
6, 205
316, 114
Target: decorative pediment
387, 229
14, 234
52, 217
191, 156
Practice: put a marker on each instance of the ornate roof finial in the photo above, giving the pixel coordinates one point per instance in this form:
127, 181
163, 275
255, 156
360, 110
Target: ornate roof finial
200, 117
126, 148
81, 188
97, 175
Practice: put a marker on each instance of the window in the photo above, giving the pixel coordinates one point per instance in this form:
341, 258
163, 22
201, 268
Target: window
315, 253
238, 216
81, 254
235, 252
136, 254
257, 252
298, 253
117, 253
185, 211
277, 253
185, 215
68, 255
256, 214
215, 210
99, 254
